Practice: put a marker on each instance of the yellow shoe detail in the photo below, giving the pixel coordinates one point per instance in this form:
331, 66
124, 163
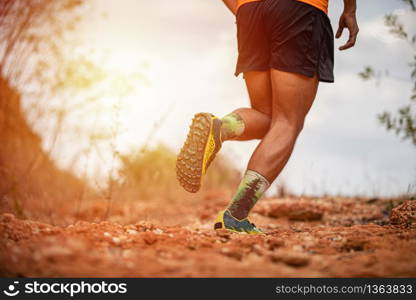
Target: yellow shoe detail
209, 149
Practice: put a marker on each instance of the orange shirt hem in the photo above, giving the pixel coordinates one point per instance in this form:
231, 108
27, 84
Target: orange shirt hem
241, 2
320, 4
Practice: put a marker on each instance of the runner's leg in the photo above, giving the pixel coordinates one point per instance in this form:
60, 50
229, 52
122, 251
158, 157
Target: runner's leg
251, 123
293, 95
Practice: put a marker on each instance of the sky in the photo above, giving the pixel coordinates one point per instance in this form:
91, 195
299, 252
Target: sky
185, 53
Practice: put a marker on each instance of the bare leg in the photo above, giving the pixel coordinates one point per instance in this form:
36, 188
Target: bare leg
293, 95
257, 118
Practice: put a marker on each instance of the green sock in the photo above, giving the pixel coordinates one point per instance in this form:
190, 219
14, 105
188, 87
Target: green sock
232, 126
252, 187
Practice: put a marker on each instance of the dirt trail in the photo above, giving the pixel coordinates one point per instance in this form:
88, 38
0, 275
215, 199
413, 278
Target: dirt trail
306, 238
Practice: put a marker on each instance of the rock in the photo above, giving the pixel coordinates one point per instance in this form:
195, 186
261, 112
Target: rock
275, 243
258, 250
404, 214
7, 218
191, 246
291, 259
305, 215
132, 231
297, 211
158, 231
149, 238
351, 244
116, 240
232, 253
56, 251
223, 233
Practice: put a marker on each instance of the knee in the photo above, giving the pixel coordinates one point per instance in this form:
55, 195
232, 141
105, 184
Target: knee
294, 127
299, 126
267, 115
265, 111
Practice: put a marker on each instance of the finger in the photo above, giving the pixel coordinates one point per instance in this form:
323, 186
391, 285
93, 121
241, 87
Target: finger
339, 31
351, 41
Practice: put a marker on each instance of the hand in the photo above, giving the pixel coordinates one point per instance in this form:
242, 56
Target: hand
348, 20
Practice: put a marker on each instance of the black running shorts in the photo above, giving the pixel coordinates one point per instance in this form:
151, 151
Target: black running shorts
286, 35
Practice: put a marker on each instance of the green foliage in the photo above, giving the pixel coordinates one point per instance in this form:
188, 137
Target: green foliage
367, 74
32, 33
395, 26
149, 167
403, 121
152, 172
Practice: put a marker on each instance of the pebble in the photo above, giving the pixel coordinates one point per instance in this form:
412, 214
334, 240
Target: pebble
132, 231
116, 240
158, 231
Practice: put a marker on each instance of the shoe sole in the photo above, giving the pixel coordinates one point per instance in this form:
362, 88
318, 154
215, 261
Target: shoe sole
197, 153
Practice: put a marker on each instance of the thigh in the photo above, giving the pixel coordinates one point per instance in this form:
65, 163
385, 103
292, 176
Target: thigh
259, 89
293, 95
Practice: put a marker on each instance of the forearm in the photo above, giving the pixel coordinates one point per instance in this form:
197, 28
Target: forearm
232, 5
350, 6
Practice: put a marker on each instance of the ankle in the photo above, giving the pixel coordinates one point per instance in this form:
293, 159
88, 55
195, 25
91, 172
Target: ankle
237, 215
251, 188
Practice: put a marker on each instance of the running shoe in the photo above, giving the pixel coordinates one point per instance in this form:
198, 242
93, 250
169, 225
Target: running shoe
226, 221
201, 146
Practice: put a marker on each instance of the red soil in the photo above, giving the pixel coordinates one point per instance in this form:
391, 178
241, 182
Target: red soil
328, 237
